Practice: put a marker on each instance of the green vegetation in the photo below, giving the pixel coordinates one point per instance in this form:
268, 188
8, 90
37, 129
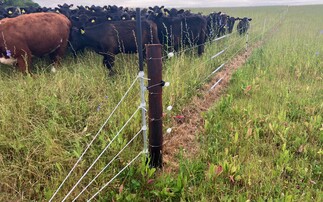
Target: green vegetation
19, 3
262, 140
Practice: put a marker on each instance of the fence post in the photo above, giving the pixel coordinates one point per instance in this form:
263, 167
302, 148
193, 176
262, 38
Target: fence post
155, 110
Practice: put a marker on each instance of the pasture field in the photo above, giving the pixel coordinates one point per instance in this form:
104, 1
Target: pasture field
262, 139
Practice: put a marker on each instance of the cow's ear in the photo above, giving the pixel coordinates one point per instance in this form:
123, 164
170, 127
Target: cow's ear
162, 7
59, 5
71, 5
250, 19
150, 8
180, 11
238, 18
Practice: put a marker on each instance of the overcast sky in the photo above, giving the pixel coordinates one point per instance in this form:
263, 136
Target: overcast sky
179, 3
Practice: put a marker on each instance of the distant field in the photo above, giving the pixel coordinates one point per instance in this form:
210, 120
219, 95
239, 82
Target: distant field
267, 140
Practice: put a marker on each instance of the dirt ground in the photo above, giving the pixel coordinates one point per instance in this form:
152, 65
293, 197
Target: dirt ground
183, 135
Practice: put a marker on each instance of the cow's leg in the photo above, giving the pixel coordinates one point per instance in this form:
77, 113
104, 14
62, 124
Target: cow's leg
108, 61
201, 41
200, 49
58, 54
24, 62
176, 44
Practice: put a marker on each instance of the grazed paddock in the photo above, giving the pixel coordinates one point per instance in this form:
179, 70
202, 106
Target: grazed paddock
262, 140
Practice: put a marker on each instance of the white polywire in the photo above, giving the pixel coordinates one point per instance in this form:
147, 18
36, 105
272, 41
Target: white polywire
192, 47
100, 154
219, 53
222, 37
235, 42
115, 176
216, 84
217, 69
107, 165
88, 146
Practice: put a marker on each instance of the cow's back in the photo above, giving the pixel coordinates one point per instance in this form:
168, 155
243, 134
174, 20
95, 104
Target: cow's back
42, 33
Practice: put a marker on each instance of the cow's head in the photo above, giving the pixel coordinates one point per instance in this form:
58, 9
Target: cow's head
154, 16
12, 12
173, 12
83, 20
64, 9
77, 38
156, 9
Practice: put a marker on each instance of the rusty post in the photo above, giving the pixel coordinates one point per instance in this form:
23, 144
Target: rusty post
155, 110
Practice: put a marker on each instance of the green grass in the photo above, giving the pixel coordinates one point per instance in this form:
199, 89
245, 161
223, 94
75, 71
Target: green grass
264, 144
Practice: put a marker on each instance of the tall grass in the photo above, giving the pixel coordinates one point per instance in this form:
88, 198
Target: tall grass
263, 139
48, 120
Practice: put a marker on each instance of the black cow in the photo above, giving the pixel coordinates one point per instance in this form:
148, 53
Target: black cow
93, 15
111, 38
173, 12
223, 20
243, 25
213, 26
156, 9
64, 9
177, 31
12, 12
230, 24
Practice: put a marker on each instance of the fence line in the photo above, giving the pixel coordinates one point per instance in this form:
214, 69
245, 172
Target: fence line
218, 54
144, 128
205, 43
116, 176
213, 86
196, 46
94, 162
103, 169
222, 37
94, 138
216, 83
217, 69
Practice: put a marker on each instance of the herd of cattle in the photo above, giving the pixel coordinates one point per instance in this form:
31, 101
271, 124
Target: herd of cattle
108, 30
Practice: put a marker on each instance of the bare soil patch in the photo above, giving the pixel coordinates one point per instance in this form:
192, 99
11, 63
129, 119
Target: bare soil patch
187, 127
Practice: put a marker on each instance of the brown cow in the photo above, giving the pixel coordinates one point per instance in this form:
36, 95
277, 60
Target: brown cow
35, 34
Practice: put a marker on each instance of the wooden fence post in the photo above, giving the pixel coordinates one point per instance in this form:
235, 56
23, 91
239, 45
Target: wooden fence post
155, 109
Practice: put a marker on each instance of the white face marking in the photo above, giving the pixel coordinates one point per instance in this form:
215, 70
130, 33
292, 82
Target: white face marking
8, 61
